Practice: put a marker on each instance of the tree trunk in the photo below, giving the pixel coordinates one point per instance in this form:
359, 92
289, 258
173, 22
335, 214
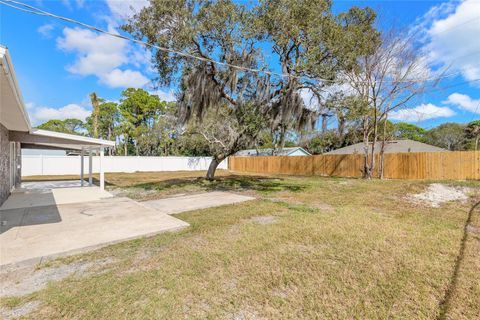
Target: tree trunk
95, 112
213, 167
283, 132
341, 128
374, 142
324, 122
366, 168
382, 149
125, 146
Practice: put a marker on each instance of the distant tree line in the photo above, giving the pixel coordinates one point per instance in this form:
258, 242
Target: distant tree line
226, 103
142, 124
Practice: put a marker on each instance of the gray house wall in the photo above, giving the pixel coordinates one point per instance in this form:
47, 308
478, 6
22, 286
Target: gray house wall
4, 164
18, 164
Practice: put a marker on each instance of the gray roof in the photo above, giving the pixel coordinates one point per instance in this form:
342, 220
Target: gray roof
393, 146
271, 152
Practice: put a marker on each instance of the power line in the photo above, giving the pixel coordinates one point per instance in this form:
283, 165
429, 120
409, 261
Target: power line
475, 112
34, 10
458, 25
454, 85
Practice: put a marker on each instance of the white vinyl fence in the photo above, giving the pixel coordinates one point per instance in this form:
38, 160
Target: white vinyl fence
37, 165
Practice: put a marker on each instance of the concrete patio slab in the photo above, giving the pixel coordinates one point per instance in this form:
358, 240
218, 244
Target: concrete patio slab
31, 233
39, 223
196, 201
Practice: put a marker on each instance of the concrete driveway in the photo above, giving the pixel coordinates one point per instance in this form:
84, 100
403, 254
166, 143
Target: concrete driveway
184, 203
40, 223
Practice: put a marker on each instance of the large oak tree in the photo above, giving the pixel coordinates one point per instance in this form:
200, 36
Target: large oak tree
301, 39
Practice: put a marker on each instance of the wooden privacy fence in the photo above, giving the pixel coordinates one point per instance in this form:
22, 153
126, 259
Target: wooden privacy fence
455, 165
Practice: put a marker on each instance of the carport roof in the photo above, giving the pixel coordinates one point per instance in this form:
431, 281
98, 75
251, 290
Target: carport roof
43, 138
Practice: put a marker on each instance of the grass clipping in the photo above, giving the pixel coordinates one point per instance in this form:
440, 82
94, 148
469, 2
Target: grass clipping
437, 193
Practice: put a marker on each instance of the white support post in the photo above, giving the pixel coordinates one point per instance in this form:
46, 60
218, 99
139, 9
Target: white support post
82, 153
102, 175
90, 168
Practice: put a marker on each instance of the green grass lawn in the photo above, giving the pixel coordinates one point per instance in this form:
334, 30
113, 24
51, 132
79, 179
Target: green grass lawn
308, 247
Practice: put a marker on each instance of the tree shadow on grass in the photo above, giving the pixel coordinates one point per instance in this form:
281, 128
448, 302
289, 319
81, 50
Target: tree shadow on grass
445, 303
226, 183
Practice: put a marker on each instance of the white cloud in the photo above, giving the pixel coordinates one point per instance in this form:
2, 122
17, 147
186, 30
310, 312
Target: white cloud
96, 53
112, 60
123, 9
46, 30
421, 113
167, 96
39, 115
101, 55
465, 102
68, 3
452, 37
140, 57
124, 78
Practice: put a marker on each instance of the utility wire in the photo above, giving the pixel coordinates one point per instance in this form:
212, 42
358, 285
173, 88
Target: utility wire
34, 10
475, 112
454, 85
458, 25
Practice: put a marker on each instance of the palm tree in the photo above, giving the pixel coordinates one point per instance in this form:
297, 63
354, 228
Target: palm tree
95, 112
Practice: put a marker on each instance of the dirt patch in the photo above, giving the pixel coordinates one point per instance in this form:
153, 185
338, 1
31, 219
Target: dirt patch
244, 315
143, 261
230, 285
19, 311
235, 229
473, 229
133, 193
284, 292
437, 194
264, 219
285, 197
322, 206
300, 249
29, 279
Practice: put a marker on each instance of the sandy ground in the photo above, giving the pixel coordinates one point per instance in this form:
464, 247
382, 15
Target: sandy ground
437, 194
28, 279
19, 311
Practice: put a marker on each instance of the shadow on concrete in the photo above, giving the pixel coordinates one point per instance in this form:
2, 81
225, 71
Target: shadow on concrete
27, 215
445, 303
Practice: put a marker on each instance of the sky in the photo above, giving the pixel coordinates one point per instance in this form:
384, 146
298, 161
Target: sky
59, 64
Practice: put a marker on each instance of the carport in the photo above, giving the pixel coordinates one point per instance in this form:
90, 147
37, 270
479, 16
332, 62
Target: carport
44, 139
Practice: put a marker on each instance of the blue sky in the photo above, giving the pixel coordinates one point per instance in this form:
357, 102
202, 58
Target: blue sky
59, 64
